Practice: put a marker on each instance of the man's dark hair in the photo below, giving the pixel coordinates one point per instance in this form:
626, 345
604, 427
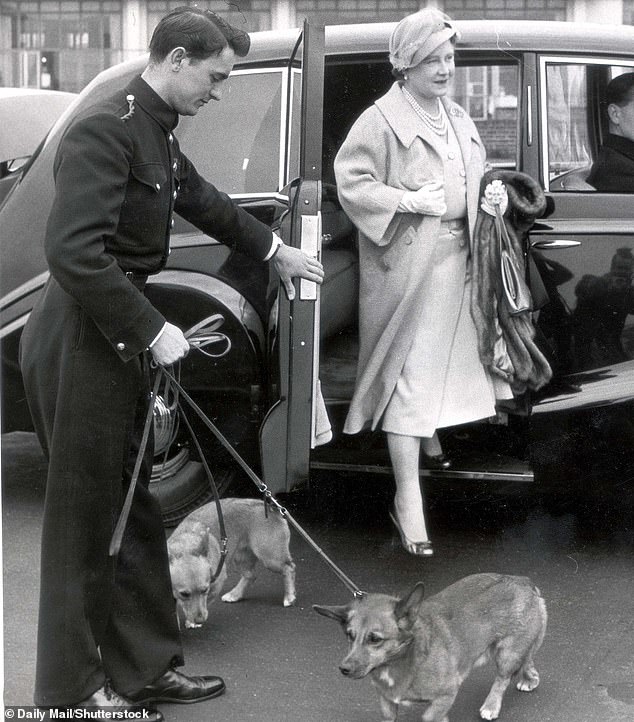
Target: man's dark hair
620, 90
201, 32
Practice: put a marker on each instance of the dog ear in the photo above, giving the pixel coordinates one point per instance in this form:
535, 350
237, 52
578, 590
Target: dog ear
339, 614
408, 606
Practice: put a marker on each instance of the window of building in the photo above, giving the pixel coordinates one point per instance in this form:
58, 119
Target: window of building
507, 9
63, 25
249, 15
41, 39
341, 12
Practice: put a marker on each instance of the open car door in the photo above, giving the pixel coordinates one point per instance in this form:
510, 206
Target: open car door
289, 429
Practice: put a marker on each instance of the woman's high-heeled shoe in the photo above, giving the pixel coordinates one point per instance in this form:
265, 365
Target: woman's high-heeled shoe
417, 548
437, 462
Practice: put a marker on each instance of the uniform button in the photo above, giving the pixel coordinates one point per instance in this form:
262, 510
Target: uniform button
170, 138
408, 242
463, 173
158, 186
175, 166
172, 223
175, 194
120, 346
451, 155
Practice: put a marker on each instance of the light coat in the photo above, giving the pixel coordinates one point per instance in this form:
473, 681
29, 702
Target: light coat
387, 152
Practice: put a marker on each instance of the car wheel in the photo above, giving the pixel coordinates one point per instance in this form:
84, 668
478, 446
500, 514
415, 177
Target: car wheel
187, 488
179, 481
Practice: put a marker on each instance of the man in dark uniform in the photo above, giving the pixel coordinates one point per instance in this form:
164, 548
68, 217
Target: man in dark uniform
108, 633
613, 170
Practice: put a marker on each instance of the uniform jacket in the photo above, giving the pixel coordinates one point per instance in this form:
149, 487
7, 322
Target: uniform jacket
124, 176
613, 171
388, 151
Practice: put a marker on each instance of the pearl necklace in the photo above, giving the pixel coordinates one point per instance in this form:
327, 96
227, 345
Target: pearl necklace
436, 123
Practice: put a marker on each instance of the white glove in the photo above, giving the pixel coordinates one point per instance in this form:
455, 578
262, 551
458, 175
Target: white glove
170, 346
429, 200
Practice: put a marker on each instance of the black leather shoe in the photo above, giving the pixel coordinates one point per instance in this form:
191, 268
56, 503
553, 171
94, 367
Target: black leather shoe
176, 687
106, 698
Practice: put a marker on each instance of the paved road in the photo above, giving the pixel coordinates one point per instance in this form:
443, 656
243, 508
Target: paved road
280, 664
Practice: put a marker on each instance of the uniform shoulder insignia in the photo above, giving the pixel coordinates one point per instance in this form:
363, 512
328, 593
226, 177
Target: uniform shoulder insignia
130, 113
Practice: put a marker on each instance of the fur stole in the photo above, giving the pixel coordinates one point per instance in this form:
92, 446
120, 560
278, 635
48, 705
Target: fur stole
505, 341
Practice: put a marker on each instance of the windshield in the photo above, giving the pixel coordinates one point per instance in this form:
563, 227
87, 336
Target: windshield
235, 144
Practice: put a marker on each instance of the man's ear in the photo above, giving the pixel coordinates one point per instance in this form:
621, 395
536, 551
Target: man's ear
339, 614
176, 58
613, 113
408, 606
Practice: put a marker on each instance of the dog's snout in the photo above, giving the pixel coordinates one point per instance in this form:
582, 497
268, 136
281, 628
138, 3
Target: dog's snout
345, 669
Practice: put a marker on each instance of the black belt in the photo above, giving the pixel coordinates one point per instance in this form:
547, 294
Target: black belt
137, 279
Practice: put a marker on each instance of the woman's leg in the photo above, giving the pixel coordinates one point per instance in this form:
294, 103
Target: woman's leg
408, 500
431, 445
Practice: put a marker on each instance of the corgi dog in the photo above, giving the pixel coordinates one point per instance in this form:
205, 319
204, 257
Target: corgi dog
421, 650
253, 536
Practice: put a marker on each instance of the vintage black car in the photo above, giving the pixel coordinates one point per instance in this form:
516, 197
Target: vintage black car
534, 90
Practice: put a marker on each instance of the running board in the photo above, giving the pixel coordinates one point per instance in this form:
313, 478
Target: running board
454, 474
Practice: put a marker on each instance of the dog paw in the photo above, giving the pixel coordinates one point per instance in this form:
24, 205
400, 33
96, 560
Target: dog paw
229, 597
528, 684
289, 601
192, 625
489, 712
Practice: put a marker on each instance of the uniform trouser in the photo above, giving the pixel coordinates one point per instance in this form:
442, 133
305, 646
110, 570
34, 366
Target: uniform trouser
100, 618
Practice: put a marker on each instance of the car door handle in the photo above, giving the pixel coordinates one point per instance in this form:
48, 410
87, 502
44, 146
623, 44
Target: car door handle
555, 244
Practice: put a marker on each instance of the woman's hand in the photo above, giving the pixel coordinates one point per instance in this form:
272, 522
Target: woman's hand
428, 200
291, 262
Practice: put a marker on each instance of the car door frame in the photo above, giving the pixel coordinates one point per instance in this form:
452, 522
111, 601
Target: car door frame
288, 430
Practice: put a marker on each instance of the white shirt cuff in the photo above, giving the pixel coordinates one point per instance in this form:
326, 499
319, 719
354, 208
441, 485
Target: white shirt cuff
158, 335
277, 242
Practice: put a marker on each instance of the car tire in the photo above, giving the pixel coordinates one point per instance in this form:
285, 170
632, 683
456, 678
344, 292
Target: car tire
189, 489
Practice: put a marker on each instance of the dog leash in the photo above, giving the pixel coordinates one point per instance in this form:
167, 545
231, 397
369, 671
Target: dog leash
201, 335
264, 490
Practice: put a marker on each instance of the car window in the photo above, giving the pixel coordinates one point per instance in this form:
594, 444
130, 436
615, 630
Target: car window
235, 143
487, 89
489, 92
572, 117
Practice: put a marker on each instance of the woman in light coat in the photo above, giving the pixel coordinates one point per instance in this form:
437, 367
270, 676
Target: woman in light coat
408, 176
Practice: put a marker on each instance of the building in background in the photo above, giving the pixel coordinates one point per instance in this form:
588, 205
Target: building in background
63, 44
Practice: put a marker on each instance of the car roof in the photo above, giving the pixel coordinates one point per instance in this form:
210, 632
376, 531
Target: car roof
504, 35
373, 38
26, 115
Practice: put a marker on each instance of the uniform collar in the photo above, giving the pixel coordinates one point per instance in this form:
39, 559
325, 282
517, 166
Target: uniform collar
621, 144
153, 104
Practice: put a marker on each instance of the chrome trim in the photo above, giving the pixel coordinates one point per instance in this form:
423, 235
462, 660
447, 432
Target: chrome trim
276, 196
14, 325
554, 245
529, 115
526, 476
285, 126
296, 76
30, 286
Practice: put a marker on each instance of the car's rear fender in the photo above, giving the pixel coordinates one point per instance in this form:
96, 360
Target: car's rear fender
231, 366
